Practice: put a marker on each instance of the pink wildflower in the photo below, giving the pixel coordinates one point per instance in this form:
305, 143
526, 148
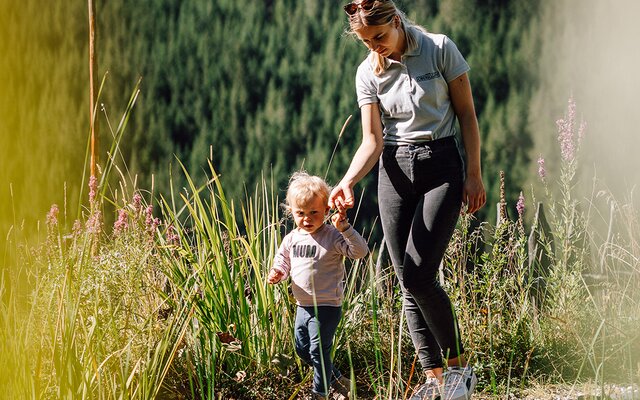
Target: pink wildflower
93, 189
171, 236
52, 221
137, 203
94, 223
542, 173
581, 131
150, 222
121, 223
520, 206
149, 215
77, 227
569, 141
52, 216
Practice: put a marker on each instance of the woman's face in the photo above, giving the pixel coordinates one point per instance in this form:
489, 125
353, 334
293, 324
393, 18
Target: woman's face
387, 40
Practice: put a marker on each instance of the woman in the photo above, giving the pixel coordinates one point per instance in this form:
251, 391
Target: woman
411, 88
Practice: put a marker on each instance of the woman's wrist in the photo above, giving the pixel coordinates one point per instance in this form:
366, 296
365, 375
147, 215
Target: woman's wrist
347, 182
474, 171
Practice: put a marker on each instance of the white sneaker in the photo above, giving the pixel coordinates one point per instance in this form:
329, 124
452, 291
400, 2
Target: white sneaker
459, 383
430, 390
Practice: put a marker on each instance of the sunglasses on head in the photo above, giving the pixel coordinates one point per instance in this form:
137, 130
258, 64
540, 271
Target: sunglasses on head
352, 7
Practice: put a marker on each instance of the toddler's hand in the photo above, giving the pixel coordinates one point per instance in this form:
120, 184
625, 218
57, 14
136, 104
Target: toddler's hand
339, 220
274, 276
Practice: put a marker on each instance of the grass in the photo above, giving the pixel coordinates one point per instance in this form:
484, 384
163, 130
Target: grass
172, 302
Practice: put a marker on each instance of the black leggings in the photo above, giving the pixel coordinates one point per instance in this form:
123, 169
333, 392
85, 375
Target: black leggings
420, 196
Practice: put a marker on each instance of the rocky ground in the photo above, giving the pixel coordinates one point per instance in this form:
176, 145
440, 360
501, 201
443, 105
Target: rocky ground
571, 392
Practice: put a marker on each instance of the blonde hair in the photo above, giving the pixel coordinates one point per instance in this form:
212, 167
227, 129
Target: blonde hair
382, 13
303, 188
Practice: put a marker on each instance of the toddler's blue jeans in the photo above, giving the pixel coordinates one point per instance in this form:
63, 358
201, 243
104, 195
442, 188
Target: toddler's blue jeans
314, 331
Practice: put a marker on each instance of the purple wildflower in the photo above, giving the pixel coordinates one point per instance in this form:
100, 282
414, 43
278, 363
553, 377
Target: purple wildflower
149, 216
150, 222
542, 173
52, 221
520, 206
93, 189
172, 236
581, 131
569, 141
94, 223
121, 223
156, 224
52, 216
77, 227
137, 203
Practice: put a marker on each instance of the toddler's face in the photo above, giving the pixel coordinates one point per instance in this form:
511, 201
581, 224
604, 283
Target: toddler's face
310, 217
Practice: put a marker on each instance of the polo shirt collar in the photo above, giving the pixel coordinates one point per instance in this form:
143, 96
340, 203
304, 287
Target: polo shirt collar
416, 50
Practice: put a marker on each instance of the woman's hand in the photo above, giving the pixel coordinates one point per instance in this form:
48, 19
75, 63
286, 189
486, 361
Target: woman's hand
473, 193
341, 197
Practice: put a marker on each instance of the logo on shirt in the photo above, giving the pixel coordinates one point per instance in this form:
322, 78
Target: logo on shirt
428, 76
304, 251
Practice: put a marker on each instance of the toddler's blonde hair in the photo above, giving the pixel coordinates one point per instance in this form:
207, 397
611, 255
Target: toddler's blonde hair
303, 188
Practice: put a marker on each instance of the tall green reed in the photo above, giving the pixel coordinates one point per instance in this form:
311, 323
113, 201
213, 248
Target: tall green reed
239, 324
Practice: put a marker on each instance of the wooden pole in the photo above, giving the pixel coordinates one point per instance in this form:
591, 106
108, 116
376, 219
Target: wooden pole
93, 66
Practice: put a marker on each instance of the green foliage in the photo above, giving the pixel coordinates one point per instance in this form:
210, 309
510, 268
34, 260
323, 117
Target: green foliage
228, 81
267, 86
491, 292
253, 87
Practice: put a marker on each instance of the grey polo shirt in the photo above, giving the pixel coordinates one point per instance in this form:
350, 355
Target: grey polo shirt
413, 95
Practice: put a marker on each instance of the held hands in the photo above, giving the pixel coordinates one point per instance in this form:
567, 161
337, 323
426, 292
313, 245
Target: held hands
473, 194
274, 276
341, 197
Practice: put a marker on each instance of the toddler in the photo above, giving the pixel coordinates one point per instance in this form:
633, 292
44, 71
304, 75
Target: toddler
312, 255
